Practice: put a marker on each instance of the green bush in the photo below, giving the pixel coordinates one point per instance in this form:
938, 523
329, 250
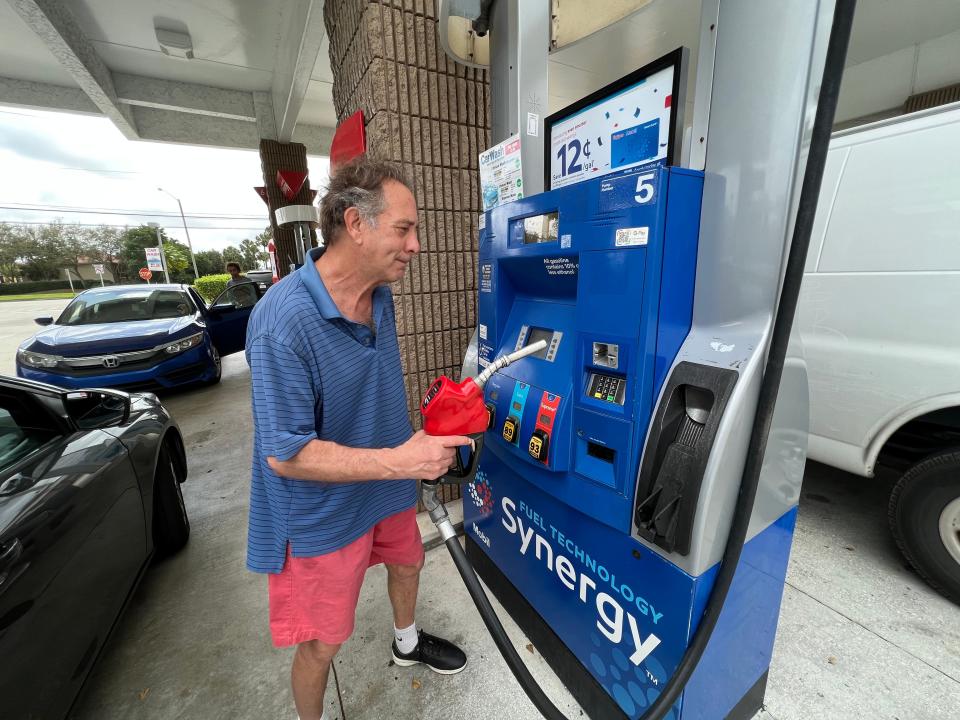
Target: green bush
209, 286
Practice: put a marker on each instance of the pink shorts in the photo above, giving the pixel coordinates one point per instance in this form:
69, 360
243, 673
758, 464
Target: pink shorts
315, 598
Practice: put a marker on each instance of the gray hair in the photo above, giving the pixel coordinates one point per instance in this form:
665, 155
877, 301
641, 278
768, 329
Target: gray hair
357, 184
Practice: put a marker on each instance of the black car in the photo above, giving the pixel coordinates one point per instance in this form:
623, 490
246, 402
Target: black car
89, 493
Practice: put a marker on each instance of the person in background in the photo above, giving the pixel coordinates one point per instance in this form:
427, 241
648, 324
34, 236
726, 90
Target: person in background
235, 277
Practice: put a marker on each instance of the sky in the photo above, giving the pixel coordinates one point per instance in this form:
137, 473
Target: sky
55, 164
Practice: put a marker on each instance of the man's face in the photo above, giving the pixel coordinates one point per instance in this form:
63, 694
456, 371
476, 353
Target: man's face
234, 271
390, 244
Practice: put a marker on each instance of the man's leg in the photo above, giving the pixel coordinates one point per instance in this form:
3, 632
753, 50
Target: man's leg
311, 668
403, 581
397, 542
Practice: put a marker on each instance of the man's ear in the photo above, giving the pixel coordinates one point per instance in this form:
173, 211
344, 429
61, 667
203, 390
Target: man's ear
352, 223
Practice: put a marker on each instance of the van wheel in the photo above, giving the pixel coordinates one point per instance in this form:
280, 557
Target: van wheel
171, 527
924, 515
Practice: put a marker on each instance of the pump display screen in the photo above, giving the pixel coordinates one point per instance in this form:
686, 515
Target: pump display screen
627, 124
541, 228
536, 334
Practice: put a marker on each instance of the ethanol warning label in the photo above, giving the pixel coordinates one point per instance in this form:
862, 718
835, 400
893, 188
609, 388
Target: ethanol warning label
560, 266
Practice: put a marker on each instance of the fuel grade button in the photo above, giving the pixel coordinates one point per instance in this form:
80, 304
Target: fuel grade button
510, 428
539, 445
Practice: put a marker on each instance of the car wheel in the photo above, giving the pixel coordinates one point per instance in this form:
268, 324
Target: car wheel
171, 527
218, 365
924, 515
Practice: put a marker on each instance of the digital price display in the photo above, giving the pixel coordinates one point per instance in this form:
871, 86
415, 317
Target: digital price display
627, 124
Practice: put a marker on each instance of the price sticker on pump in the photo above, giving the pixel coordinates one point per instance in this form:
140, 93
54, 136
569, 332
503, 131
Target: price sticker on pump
628, 129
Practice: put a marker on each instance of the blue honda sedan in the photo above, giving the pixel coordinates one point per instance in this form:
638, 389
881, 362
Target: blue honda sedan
138, 337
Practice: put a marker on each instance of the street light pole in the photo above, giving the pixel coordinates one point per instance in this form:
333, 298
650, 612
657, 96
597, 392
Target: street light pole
163, 255
184, 219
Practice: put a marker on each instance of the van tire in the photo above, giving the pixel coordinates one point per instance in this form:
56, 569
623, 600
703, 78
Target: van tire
171, 527
918, 504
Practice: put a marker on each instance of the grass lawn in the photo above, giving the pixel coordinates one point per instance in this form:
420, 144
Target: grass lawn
64, 295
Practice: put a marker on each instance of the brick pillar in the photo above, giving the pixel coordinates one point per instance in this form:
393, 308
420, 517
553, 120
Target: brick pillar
284, 156
431, 116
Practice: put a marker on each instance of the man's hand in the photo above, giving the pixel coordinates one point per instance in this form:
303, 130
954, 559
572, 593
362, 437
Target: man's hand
425, 457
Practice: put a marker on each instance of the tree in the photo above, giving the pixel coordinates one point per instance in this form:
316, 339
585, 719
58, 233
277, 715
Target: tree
103, 245
232, 254
135, 240
209, 262
252, 254
263, 239
44, 252
49, 249
178, 260
13, 248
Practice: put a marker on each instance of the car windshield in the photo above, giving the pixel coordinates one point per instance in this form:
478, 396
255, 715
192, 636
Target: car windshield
126, 304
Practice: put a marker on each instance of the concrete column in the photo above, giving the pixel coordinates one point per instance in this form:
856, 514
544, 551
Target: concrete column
284, 156
431, 116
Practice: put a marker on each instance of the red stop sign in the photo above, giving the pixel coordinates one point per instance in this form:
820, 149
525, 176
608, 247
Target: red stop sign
145, 274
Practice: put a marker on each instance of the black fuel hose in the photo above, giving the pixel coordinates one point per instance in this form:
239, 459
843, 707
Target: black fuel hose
769, 387
536, 694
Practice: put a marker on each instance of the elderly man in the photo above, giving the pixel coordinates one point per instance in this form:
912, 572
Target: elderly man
335, 459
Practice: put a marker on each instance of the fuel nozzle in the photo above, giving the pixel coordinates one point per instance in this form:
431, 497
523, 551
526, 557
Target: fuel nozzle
452, 408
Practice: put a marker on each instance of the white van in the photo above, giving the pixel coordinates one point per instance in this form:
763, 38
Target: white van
880, 320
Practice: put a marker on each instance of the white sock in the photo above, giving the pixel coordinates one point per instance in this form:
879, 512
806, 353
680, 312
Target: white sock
406, 638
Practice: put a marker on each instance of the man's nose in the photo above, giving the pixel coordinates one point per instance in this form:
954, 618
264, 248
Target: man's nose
413, 243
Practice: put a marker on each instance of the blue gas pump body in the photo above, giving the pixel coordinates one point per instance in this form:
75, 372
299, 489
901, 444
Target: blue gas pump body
604, 271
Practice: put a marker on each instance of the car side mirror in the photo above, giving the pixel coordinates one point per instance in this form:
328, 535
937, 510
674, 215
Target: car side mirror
43, 320
95, 409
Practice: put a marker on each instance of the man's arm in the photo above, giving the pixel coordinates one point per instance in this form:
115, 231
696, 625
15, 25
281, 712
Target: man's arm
422, 457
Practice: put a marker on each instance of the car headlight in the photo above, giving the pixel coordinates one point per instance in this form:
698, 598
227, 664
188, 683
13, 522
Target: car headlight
37, 360
184, 344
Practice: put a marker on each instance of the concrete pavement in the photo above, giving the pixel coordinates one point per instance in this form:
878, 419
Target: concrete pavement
860, 635
16, 325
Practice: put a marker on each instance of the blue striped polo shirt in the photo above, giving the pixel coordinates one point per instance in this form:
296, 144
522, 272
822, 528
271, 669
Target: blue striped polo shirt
316, 374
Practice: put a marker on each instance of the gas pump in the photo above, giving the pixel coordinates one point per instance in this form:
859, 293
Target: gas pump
618, 509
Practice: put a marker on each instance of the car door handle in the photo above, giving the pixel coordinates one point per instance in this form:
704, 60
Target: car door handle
10, 552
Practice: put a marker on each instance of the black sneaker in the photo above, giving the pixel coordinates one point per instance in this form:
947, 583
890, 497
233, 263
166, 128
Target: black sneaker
438, 654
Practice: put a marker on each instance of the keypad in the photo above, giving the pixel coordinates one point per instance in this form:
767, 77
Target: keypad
607, 388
